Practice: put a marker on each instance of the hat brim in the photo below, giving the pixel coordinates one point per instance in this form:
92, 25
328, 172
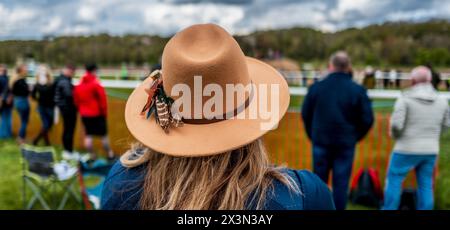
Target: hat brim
193, 140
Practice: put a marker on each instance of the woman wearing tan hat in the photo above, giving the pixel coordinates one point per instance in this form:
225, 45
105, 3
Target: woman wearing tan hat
199, 146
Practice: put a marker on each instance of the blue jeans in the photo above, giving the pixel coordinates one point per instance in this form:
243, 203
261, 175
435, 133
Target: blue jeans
5, 122
399, 167
339, 159
47, 115
23, 108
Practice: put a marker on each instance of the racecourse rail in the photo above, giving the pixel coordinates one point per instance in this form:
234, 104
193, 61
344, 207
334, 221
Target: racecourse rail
295, 74
294, 90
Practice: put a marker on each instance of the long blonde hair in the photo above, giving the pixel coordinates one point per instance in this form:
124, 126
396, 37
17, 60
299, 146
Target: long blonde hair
43, 69
21, 73
228, 181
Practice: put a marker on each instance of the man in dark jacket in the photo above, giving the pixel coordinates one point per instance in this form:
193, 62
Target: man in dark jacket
65, 103
337, 114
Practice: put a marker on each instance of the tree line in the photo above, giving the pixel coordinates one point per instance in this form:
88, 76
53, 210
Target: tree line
389, 44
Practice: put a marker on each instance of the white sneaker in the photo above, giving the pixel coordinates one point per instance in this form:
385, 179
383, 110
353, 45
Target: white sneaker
66, 155
84, 157
74, 156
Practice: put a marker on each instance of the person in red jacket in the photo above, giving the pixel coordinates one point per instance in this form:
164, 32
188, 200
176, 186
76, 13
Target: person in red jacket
90, 99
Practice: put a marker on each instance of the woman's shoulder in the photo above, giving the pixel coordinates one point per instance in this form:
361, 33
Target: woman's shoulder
122, 187
120, 172
317, 193
313, 193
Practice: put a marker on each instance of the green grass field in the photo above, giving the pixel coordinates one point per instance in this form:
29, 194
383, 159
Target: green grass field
11, 184
287, 145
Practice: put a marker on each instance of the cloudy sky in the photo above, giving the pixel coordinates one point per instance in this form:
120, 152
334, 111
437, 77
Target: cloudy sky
33, 19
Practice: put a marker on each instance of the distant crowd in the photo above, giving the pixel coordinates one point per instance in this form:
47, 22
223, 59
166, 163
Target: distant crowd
376, 78
54, 97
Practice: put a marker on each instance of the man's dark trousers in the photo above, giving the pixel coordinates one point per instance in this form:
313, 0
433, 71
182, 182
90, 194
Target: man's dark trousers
339, 160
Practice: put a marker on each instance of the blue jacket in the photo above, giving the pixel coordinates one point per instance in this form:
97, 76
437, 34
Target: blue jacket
4, 88
123, 187
337, 111
5, 92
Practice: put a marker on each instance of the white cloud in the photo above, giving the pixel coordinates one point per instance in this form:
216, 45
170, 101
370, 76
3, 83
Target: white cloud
163, 17
14, 19
87, 13
289, 15
168, 18
53, 25
344, 5
366, 8
442, 8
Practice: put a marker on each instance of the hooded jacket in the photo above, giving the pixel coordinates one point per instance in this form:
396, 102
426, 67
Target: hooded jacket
420, 115
90, 97
5, 92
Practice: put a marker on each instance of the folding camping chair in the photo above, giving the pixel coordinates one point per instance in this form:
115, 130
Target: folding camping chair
91, 193
39, 174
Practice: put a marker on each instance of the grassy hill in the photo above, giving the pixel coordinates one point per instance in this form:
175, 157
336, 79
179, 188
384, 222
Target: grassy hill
389, 44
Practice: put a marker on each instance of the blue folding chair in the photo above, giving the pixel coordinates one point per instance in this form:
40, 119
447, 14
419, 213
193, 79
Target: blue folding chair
92, 192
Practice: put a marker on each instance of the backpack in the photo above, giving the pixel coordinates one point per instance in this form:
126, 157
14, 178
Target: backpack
366, 188
408, 199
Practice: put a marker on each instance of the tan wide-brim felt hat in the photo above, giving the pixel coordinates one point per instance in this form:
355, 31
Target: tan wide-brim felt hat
209, 51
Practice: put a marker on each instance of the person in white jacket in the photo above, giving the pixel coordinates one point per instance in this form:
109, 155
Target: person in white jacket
420, 116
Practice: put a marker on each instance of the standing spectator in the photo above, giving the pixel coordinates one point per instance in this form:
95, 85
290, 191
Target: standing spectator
337, 114
398, 79
447, 84
21, 91
90, 99
304, 77
416, 124
379, 78
435, 77
386, 79
64, 101
369, 78
124, 71
44, 93
393, 77
5, 104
